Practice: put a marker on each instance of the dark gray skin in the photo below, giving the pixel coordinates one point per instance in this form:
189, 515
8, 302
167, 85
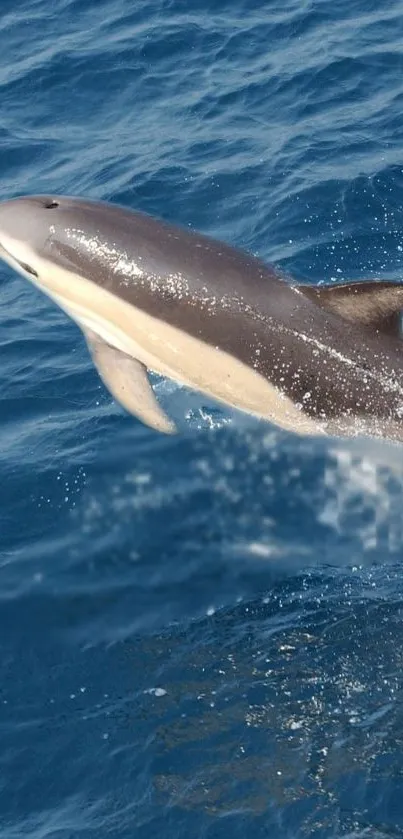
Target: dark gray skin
335, 351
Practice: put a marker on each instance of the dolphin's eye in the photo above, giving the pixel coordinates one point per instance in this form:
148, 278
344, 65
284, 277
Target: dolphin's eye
28, 269
51, 205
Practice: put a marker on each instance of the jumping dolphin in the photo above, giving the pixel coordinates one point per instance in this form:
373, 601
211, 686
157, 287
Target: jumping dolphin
152, 296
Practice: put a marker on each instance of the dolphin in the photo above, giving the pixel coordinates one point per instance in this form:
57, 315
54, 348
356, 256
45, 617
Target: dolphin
149, 295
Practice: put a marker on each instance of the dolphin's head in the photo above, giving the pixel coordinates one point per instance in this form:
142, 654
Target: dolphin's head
26, 228
39, 234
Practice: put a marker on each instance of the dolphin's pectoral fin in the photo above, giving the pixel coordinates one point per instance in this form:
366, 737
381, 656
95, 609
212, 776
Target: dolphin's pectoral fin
375, 304
127, 380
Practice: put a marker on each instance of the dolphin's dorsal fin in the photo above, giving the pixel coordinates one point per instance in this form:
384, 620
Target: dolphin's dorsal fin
375, 304
127, 380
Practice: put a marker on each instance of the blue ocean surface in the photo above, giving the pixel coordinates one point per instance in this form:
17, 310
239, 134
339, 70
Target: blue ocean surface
200, 635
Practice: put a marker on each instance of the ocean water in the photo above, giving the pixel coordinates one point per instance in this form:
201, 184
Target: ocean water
200, 636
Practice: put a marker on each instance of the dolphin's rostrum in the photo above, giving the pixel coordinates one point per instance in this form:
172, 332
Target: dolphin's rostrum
151, 296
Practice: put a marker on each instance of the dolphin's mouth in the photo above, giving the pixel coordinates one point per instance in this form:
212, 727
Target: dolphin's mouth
22, 265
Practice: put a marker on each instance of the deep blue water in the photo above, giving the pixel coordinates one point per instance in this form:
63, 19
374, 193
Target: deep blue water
200, 636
